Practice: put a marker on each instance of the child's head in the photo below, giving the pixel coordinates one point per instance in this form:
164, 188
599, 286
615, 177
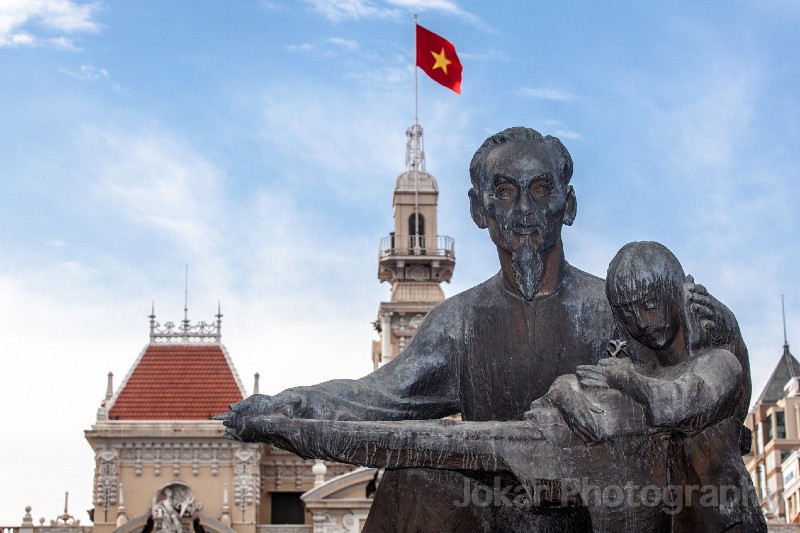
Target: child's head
644, 286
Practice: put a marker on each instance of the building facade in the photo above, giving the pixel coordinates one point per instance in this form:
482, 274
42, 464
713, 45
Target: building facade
773, 461
161, 461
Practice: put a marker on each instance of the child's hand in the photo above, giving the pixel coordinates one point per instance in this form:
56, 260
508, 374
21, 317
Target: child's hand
619, 371
592, 376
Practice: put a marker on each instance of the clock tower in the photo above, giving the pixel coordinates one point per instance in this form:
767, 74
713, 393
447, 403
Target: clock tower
414, 258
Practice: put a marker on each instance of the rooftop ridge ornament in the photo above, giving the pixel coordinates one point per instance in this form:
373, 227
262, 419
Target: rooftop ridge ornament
65, 519
187, 333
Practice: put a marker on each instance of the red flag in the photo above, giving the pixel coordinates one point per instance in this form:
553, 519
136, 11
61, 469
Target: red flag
437, 57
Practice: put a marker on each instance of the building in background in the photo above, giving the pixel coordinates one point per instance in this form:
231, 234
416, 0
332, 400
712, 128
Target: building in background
773, 461
157, 448
162, 464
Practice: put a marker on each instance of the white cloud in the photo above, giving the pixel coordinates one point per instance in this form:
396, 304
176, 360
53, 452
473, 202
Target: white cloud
62, 43
85, 72
321, 128
269, 5
557, 128
344, 43
382, 76
442, 6
339, 10
158, 181
304, 47
20, 39
61, 16
544, 93
492, 55
567, 134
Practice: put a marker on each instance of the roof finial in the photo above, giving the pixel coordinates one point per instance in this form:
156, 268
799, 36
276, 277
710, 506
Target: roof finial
110, 386
27, 520
226, 510
219, 321
152, 318
255, 383
186, 302
122, 518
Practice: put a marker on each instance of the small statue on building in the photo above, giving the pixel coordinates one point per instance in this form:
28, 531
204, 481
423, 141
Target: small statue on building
174, 509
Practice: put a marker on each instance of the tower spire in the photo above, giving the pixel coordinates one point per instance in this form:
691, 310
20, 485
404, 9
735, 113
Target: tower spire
783, 312
786, 354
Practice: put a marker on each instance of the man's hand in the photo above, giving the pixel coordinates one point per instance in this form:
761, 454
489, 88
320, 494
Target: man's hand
575, 409
288, 404
699, 302
615, 372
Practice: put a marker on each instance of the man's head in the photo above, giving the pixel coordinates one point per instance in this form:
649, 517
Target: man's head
644, 286
521, 193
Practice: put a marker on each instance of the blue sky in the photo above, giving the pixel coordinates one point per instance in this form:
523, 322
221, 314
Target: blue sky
258, 143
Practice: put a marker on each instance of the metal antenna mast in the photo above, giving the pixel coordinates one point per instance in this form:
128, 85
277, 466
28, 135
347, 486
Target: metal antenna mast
186, 301
783, 312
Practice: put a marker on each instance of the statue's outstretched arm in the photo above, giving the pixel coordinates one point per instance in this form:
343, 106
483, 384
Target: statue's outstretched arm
442, 444
420, 383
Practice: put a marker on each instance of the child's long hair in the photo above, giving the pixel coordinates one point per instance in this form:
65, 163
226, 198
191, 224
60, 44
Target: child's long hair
638, 269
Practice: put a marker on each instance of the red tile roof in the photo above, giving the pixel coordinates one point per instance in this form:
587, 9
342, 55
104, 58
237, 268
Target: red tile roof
177, 382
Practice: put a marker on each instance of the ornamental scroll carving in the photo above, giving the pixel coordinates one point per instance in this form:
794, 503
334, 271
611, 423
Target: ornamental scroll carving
245, 482
106, 482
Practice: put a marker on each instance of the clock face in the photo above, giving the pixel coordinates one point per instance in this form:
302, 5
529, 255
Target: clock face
417, 273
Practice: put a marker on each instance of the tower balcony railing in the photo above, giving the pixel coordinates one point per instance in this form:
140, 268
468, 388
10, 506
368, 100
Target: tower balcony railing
411, 245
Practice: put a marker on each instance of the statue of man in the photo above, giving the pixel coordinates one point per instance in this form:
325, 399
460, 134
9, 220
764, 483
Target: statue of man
489, 351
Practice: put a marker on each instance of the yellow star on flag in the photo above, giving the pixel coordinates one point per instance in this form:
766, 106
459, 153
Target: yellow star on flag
441, 61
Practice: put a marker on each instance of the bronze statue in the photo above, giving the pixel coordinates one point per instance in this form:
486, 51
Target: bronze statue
658, 406
489, 353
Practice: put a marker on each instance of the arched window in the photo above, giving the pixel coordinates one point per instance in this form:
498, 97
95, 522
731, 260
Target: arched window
416, 233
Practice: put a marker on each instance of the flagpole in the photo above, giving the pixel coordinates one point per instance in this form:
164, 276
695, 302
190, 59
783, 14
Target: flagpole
416, 101
415, 140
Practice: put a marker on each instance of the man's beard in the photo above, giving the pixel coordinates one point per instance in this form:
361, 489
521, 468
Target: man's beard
526, 261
